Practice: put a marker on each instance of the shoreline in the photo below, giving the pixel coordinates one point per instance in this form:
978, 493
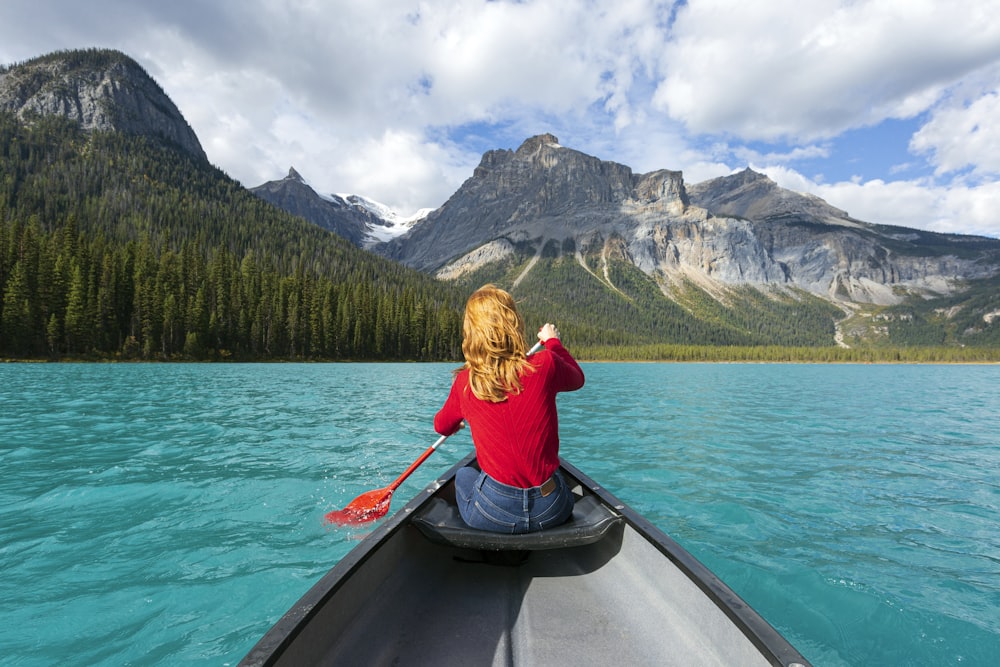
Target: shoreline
579, 358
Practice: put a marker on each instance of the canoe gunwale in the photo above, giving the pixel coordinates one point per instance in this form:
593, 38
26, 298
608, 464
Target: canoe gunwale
771, 644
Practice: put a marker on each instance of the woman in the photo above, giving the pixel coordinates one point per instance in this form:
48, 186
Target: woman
509, 402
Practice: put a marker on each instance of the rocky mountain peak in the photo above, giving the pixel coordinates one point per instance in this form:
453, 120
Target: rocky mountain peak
748, 175
101, 89
361, 221
752, 195
534, 144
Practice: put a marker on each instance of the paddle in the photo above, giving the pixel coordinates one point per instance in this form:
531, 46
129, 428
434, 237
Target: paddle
374, 504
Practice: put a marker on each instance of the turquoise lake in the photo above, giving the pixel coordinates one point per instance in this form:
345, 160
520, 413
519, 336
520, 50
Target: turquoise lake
169, 514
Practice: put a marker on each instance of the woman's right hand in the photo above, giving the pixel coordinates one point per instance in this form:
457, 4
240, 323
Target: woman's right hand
548, 331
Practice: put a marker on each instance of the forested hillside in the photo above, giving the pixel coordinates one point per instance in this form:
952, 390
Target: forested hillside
117, 246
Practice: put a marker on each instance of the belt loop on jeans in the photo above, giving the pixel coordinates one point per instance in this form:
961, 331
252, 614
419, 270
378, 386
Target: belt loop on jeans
548, 486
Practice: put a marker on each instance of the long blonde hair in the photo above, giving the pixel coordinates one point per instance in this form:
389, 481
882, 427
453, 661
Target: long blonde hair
493, 344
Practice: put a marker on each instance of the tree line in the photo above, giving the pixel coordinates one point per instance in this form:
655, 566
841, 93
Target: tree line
69, 295
780, 354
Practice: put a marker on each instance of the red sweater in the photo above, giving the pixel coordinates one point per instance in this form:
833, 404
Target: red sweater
517, 440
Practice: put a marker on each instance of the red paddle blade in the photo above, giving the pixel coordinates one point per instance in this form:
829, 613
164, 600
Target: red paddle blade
366, 507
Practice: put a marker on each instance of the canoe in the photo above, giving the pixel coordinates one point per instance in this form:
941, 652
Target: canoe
606, 588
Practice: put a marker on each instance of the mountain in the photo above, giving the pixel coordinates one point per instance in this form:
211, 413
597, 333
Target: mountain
361, 221
119, 242
732, 261
101, 90
732, 231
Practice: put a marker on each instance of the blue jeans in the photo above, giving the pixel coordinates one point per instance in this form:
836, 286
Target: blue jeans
486, 504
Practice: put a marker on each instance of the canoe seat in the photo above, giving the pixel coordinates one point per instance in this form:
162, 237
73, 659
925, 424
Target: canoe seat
441, 523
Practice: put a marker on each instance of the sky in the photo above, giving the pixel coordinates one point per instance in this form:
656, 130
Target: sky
889, 109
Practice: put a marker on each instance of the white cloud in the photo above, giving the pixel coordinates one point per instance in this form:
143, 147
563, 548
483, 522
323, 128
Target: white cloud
787, 69
963, 136
811, 152
403, 167
914, 204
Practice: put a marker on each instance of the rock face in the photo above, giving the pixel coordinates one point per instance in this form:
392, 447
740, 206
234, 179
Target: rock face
737, 230
100, 89
821, 249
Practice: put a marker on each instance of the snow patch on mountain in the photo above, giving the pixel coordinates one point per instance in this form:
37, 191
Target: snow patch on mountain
387, 224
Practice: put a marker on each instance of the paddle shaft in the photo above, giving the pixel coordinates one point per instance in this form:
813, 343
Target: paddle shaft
416, 464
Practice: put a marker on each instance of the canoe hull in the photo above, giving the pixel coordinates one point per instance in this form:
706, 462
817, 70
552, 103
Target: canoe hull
632, 597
